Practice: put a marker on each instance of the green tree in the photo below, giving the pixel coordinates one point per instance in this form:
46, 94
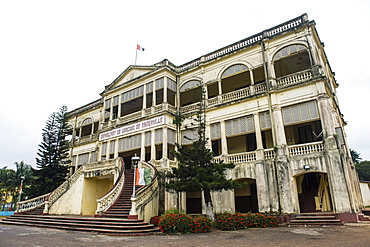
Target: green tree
355, 156
52, 155
197, 170
363, 170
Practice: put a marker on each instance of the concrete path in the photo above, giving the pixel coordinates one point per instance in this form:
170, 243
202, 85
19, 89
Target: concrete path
349, 235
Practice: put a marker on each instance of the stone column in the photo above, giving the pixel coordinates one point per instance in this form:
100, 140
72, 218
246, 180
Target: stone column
224, 150
165, 82
326, 116
152, 147
142, 146
257, 129
165, 143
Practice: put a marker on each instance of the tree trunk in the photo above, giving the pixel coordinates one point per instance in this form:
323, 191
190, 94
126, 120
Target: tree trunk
209, 205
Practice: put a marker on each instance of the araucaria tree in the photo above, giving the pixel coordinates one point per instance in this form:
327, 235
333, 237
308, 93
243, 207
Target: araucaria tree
52, 154
197, 169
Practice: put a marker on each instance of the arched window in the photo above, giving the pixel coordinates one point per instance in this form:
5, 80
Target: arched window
86, 127
291, 59
237, 68
235, 77
190, 93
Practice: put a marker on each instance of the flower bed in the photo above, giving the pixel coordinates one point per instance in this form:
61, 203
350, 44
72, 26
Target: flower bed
230, 222
182, 223
173, 223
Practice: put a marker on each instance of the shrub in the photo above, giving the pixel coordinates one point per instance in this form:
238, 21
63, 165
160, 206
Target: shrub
201, 224
155, 220
230, 222
175, 223
182, 223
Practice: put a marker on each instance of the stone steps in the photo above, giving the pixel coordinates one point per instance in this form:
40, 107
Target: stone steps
315, 220
107, 226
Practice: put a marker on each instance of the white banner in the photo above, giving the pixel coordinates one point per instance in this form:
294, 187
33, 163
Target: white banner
132, 128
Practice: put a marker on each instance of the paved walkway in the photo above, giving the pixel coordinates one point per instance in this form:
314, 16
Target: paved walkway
349, 235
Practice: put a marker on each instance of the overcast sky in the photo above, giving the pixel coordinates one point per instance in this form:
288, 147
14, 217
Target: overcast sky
55, 53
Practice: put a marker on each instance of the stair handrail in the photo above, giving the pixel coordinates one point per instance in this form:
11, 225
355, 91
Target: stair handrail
62, 189
48, 198
104, 203
31, 204
146, 193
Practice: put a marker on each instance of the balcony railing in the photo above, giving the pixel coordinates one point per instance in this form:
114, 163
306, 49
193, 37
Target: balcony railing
307, 148
294, 78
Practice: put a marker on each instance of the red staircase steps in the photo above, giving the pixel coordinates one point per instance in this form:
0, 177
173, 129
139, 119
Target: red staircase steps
315, 220
363, 217
36, 211
105, 226
121, 207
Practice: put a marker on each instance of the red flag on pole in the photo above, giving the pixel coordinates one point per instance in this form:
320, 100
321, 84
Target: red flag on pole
138, 47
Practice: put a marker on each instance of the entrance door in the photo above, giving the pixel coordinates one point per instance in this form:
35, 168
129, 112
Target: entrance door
246, 197
313, 192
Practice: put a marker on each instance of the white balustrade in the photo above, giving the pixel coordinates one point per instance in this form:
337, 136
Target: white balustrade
294, 78
31, 204
190, 108
307, 148
269, 153
241, 157
241, 93
108, 199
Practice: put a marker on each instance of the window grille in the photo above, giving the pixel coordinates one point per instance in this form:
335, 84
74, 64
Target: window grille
158, 136
171, 136
215, 131
188, 136
87, 121
104, 148
265, 120
237, 68
149, 87
107, 103
159, 83
171, 84
240, 125
189, 85
83, 158
132, 94
286, 51
116, 100
148, 138
300, 113
130, 142
112, 146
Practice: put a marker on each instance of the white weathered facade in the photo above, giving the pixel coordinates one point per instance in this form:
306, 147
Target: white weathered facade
272, 109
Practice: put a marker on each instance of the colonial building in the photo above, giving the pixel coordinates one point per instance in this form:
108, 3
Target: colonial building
271, 108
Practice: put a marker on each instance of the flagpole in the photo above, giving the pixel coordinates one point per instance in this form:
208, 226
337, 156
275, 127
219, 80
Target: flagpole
136, 55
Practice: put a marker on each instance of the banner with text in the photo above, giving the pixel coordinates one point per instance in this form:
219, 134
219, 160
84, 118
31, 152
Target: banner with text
132, 128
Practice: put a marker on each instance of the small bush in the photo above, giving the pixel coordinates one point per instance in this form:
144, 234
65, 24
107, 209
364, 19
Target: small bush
175, 223
155, 220
182, 223
201, 224
230, 222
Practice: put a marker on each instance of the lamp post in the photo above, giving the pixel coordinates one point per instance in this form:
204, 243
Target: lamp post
20, 189
132, 215
135, 161
20, 192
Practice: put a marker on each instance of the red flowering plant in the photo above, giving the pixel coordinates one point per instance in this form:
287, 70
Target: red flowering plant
175, 223
155, 220
230, 222
172, 223
201, 224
